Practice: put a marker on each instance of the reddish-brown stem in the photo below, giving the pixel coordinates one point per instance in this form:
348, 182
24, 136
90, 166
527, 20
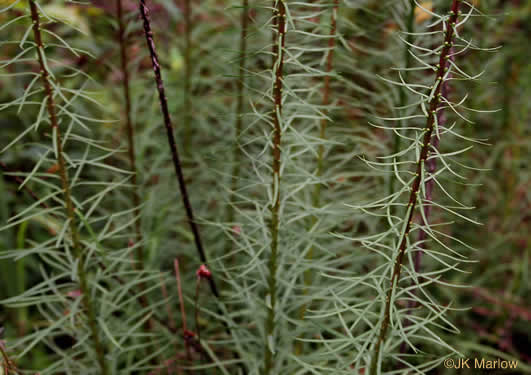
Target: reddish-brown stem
415, 187
196, 308
169, 312
181, 305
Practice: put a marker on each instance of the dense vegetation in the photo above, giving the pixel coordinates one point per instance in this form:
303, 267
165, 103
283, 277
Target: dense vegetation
264, 187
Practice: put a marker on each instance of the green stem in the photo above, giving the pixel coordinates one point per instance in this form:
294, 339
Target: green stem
415, 187
70, 210
279, 16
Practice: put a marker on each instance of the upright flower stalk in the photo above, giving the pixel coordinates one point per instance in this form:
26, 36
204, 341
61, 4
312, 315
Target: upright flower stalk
69, 205
279, 22
434, 103
431, 167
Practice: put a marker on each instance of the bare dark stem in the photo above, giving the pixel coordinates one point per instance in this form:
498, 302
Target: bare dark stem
63, 173
171, 141
425, 150
279, 15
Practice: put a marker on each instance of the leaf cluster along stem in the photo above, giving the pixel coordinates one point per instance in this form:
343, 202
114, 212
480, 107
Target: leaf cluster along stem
279, 21
415, 188
63, 173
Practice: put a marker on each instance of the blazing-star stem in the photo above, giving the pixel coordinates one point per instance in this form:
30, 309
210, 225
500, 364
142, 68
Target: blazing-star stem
279, 19
171, 141
63, 173
415, 187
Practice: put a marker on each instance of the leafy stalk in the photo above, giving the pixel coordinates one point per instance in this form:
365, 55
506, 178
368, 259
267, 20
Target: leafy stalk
171, 140
63, 173
431, 167
415, 186
279, 17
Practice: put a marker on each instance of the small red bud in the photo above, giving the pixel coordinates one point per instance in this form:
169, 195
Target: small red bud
188, 334
203, 271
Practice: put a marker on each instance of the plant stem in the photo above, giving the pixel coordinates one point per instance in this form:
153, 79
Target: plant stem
425, 150
171, 141
431, 167
175, 156
70, 210
279, 16
167, 325
316, 197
